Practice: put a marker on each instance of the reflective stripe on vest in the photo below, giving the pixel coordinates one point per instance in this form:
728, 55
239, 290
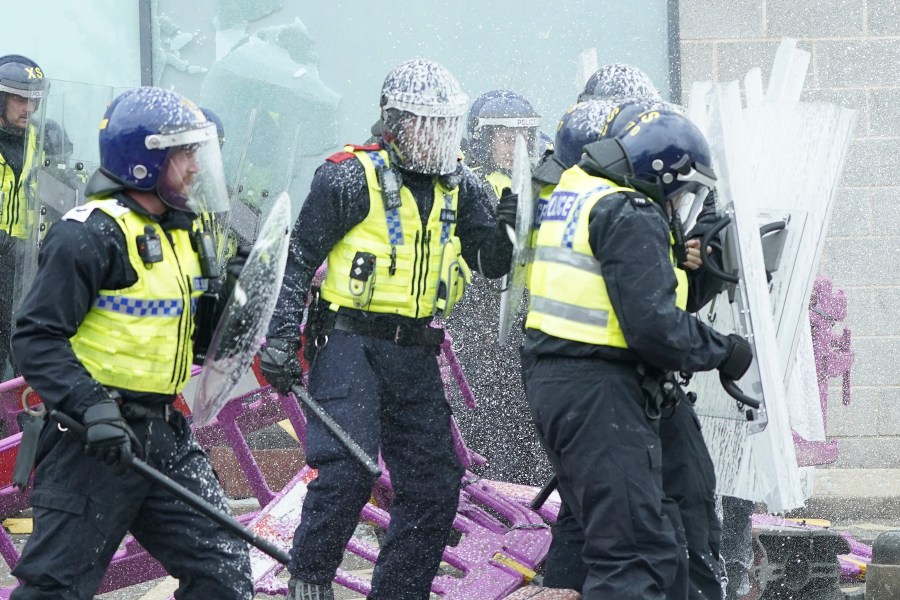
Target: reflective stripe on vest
407, 257
15, 205
139, 338
568, 294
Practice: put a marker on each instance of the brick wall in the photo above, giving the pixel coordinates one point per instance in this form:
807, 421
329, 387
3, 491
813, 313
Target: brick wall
855, 46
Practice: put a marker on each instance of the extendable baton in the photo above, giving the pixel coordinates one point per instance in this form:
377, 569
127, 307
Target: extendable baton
186, 496
336, 430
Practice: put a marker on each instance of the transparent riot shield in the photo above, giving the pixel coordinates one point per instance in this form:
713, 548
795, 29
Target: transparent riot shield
65, 154
255, 187
511, 298
779, 162
245, 319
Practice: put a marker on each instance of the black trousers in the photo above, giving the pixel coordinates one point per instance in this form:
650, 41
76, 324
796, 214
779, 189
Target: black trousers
82, 510
590, 416
7, 298
689, 485
689, 482
389, 397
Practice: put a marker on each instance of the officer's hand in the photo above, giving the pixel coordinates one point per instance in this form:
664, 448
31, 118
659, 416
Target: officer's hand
108, 436
694, 258
236, 263
739, 358
507, 208
280, 364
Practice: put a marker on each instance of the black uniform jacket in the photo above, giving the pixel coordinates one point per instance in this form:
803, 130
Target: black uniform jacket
76, 261
339, 200
630, 238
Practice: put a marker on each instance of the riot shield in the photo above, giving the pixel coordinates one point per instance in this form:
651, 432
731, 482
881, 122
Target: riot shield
511, 298
65, 155
779, 162
246, 317
253, 191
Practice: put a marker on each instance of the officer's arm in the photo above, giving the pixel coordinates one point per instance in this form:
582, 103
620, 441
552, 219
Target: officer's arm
338, 200
485, 244
73, 265
632, 244
704, 286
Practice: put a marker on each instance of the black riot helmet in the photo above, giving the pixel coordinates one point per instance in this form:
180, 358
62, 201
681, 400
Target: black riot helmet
22, 77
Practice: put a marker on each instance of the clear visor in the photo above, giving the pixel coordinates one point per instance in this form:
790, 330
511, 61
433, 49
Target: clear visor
192, 178
428, 145
511, 122
22, 103
698, 181
502, 141
34, 92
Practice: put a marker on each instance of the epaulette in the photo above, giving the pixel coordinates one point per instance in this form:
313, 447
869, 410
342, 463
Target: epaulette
638, 200
365, 148
81, 213
339, 156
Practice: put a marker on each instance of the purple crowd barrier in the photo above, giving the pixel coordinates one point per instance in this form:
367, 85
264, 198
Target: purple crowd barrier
833, 359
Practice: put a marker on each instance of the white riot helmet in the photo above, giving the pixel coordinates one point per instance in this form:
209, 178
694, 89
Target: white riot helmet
423, 112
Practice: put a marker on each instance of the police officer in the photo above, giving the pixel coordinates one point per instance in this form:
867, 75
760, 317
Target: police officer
688, 473
105, 335
500, 427
606, 320
398, 222
21, 89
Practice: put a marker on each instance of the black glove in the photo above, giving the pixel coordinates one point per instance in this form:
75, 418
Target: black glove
236, 263
739, 358
280, 364
108, 436
507, 207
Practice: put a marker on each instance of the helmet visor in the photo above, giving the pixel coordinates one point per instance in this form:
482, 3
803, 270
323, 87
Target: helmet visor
425, 144
192, 177
22, 101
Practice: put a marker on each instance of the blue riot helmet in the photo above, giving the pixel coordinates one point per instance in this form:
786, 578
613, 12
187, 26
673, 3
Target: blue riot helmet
19, 76
579, 126
492, 115
214, 118
544, 144
155, 140
621, 116
422, 110
619, 82
668, 156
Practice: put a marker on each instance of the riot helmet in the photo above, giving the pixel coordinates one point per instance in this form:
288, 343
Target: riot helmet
668, 155
579, 126
619, 82
494, 121
422, 110
214, 119
21, 89
622, 116
155, 140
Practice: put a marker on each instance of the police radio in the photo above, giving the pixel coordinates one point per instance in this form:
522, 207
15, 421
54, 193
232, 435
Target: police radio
680, 248
205, 245
149, 246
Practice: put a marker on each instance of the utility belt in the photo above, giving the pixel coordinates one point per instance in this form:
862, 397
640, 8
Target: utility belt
402, 335
320, 321
662, 392
134, 411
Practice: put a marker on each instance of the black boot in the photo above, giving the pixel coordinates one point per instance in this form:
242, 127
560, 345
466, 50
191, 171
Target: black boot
301, 590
